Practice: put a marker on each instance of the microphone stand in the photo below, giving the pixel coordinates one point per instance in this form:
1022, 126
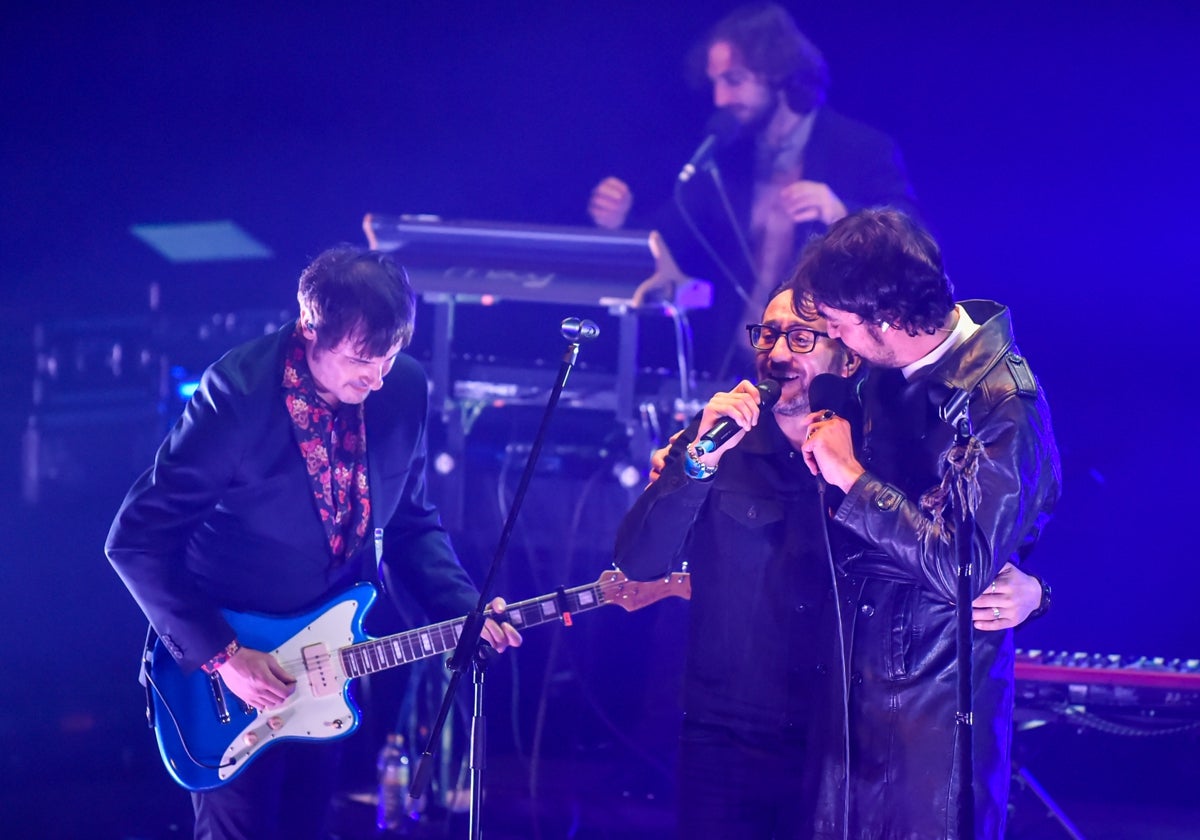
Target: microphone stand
955, 412
470, 651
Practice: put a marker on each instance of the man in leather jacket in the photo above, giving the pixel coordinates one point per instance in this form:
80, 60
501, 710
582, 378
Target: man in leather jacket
751, 533
878, 280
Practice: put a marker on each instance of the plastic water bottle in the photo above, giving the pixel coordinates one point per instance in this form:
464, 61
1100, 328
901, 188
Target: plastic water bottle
394, 778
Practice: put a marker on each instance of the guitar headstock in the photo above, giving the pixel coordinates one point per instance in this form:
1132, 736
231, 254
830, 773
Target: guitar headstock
635, 594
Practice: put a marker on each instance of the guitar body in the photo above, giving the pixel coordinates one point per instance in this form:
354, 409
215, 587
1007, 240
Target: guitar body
206, 736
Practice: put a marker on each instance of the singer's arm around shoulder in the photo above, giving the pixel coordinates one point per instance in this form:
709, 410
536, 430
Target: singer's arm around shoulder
655, 530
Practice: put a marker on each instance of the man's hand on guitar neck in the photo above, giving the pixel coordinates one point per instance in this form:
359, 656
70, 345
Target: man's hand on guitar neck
257, 678
499, 636
262, 683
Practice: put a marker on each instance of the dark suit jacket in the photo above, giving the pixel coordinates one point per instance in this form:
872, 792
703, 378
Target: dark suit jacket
226, 519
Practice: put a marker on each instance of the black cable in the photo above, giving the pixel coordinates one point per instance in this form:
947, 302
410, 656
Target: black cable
1134, 727
841, 637
738, 233
179, 730
683, 350
707, 246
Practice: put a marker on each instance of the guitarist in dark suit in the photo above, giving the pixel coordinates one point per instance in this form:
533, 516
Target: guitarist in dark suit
280, 486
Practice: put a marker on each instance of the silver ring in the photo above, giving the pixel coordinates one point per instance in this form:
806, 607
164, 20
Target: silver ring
993, 587
996, 613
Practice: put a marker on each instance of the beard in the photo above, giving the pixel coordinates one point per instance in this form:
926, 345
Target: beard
754, 121
875, 352
797, 407
796, 403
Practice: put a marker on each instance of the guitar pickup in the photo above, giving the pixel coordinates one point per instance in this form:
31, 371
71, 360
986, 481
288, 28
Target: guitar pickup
218, 696
318, 667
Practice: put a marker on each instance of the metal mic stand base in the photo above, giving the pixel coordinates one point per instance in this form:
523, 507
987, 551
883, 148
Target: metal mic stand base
1023, 780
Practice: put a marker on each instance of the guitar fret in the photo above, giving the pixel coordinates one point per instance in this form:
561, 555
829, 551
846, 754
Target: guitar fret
446, 637
352, 662
529, 615
389, 655
379, 654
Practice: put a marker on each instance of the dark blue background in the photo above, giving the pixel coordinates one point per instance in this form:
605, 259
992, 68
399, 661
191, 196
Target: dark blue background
1052, 146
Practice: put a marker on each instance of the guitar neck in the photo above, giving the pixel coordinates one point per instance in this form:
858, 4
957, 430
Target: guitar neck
402, 648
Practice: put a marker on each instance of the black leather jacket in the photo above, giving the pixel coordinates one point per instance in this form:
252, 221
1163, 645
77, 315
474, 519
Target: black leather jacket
897, 593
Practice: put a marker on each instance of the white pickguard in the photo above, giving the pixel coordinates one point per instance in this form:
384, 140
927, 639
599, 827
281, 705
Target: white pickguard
318, 707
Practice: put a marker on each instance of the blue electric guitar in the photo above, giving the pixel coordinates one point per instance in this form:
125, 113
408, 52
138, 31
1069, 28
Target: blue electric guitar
207, 736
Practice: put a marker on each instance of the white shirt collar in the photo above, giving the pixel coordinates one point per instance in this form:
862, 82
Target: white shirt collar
964, 329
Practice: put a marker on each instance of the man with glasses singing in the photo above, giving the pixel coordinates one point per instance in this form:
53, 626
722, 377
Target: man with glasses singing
747, 520
279, 487
746, 517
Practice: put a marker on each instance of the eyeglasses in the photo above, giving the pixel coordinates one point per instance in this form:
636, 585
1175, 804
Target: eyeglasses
799, 339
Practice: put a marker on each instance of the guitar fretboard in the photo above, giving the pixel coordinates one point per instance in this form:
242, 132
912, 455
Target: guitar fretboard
411, 645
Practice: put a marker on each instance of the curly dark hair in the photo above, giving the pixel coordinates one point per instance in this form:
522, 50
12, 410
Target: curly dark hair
880, 265
769, 43
352, 292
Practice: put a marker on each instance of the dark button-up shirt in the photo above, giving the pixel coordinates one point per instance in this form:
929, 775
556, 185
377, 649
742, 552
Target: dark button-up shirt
753, 541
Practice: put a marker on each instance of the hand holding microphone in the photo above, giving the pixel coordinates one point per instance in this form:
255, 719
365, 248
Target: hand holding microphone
829, 448
727, 418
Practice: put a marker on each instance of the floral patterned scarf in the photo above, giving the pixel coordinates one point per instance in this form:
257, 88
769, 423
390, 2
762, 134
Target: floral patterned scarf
333, 443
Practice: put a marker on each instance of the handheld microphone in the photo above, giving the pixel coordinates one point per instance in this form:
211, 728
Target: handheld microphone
725, 428
720, 130
574, 329
830, 392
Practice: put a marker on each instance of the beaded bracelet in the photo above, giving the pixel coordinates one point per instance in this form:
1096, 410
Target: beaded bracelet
211, 666
693, 467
